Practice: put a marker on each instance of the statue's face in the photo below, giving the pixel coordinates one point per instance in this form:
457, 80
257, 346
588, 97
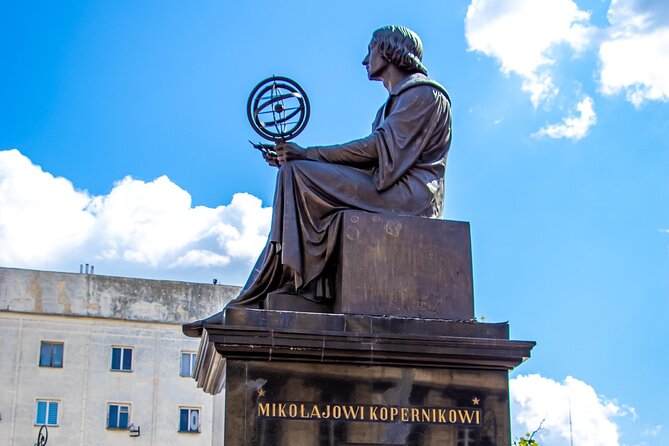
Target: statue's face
375, 63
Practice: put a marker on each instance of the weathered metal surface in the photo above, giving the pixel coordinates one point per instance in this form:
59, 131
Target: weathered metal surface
290, 302
398, 169
404, 266
278, 109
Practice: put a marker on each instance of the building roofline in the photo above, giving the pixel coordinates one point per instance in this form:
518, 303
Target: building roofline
110, 297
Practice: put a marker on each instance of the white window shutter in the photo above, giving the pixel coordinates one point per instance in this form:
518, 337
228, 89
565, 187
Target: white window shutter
194, 420
185, 364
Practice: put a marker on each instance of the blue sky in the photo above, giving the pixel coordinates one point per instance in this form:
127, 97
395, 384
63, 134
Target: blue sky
123, 143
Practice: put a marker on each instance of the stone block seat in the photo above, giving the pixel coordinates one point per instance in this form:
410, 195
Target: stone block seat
391, 265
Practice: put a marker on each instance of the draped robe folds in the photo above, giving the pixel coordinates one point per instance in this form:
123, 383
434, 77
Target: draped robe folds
398, 169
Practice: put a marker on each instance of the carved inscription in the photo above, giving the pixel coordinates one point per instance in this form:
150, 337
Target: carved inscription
370, 413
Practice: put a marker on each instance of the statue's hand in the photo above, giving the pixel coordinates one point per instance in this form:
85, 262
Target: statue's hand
288, 151
272, 160
268, 152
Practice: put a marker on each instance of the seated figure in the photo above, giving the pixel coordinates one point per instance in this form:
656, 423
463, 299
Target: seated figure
398, 169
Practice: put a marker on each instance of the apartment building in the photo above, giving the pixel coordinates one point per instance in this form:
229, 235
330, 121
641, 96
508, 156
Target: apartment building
102, 361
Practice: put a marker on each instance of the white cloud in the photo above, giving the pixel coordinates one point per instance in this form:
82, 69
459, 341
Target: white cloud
573, 127
40, 215
524, 35
139, 228
635, 57
535, 398
653, 431
200, 257
527, 37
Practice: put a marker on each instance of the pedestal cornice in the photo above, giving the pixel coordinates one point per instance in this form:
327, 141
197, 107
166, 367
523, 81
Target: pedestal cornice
266, 335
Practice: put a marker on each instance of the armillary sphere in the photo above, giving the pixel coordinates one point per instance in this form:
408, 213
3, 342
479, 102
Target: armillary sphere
278, 109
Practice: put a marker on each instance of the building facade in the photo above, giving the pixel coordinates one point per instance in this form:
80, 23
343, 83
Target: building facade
102, 361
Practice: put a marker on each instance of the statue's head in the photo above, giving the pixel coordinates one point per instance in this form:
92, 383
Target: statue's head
401, 47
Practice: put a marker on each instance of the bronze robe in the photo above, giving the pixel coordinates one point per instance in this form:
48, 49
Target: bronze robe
398, 169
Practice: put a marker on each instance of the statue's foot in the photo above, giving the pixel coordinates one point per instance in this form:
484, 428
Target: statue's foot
287, 288
195, 329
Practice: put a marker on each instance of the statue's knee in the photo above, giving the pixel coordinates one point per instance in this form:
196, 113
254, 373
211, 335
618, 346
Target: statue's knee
299, 164
293, 166
286, 170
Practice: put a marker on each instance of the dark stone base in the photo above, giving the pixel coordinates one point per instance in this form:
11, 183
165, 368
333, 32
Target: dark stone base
384, 405
294, 378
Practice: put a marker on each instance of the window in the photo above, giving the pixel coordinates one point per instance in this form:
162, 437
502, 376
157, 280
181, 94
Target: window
47, 413
121, 359
118, 416
189, 419
51, 354
188, 360
466, 437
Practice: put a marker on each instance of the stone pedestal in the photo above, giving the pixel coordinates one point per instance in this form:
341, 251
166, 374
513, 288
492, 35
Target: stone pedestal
296, 378
397, 360
301, 404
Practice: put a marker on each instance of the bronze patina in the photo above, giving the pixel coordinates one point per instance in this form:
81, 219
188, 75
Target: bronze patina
278, 109
397, 169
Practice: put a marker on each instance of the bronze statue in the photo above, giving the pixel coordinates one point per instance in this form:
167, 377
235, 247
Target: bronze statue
398, 169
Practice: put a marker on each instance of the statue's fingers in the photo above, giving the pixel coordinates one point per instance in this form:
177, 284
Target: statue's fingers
295, 153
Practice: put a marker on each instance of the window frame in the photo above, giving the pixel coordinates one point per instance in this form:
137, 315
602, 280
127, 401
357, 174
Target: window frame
199, 419
193, 361
51, 361
119, 406
47, 402
123, 349
462, 436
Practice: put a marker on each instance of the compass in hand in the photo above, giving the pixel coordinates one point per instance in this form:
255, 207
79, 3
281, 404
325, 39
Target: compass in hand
278, 110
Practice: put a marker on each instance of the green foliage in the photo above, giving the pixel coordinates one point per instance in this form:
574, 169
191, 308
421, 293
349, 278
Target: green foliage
526, 440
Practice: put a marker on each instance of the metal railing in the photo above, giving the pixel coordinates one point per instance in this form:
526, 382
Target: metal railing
42, 436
